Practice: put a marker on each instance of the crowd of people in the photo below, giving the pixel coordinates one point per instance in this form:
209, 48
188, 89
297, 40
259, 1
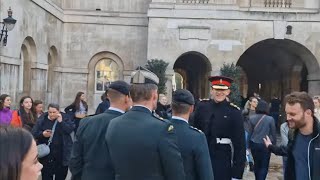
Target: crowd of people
135, 134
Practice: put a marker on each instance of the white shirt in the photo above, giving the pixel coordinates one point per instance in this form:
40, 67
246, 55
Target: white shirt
180, 118
116, 109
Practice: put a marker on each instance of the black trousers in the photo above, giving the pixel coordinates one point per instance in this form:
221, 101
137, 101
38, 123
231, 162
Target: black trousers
221, 161
52, 167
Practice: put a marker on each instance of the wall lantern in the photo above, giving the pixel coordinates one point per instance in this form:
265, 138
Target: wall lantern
8, 25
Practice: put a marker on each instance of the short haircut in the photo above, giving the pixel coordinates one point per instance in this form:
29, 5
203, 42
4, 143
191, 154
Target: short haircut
301, 98
142, 92
15, 144
180, 108
114, 95
53, 105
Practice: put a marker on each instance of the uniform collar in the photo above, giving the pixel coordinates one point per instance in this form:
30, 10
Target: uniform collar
116, 109
180, 119
139, 107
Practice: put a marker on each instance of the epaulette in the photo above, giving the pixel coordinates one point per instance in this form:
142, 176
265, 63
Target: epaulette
235, 106
198, 130
157, 116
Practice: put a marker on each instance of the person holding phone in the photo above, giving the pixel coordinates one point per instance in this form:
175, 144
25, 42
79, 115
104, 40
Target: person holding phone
56, 163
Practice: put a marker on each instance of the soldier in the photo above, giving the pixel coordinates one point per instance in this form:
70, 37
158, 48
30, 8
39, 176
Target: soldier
222, 124
191, 141
89, 158
141, 145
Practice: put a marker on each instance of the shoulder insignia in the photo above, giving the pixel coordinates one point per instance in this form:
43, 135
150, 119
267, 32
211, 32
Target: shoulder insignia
196, 129
235, 106
170, 128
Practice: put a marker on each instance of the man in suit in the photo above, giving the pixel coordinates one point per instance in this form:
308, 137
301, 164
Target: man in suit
222, 123
90, 158
191, 141
141, 145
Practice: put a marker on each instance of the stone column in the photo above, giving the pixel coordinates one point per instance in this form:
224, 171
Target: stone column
169, 76
314, 84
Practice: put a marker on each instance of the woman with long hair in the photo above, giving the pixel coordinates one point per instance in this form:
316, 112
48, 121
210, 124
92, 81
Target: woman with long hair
78, 109
38, 108
24, 116
5, 111
18, 155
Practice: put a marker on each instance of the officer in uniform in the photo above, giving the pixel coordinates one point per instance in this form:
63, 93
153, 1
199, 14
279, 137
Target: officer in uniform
222, 123
141, 145
90, 158
191, 141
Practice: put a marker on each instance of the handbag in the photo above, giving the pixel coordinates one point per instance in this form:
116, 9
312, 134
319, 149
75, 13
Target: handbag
44, 149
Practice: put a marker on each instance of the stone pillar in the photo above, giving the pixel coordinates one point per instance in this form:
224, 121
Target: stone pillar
314, 84
38, 81
244, 3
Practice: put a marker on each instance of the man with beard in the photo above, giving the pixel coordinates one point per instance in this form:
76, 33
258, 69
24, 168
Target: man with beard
222, 123
303, 149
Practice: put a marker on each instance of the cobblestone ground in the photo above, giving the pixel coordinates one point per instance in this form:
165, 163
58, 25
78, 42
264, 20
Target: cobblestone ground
275, 170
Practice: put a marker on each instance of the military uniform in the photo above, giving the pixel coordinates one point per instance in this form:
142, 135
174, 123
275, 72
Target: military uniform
142, 146
191, 142
222, 124
90, 158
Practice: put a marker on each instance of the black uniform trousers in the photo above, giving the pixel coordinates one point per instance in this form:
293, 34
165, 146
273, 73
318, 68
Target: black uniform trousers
221, 161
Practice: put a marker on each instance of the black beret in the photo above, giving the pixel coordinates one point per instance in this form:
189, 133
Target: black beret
120, 86
183, 96
144, 76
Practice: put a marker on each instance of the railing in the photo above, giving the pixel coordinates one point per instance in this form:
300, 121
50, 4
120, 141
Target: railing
278, 3
217, 2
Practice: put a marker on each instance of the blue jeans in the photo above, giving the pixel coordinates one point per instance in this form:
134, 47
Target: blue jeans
261, 157
248, 157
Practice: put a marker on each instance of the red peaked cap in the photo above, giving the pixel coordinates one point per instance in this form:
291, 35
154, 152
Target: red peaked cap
220, 82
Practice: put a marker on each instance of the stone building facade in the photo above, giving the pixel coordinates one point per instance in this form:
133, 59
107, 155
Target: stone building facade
60, 47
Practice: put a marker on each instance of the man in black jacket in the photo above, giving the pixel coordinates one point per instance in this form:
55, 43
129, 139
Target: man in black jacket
222, 123
303, 149
90, 158
191, 141
141, 145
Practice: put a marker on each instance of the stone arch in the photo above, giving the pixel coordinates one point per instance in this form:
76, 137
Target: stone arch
28, 56
278, 67
52, 93
194, 67
93, 95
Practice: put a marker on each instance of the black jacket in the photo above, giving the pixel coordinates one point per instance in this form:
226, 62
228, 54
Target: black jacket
194, 150
313, 151
143, 147
222, 120
90, 158
67, 127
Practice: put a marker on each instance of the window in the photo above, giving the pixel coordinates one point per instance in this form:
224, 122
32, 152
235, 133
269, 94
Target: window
106, 72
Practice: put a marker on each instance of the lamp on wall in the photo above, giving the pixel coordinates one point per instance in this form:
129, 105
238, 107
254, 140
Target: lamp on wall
8, 25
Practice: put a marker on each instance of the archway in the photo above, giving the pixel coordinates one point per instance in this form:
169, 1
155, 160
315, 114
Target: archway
53, 93
104, 67
194, 69
277, 67
28, 55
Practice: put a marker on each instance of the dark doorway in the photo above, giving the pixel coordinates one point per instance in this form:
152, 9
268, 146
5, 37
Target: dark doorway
276, 67
194, 68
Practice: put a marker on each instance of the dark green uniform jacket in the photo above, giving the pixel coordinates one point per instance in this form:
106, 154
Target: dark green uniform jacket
194, 150
143, 147
90, 158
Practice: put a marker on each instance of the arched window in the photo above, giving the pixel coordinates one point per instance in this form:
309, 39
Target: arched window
106, 72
